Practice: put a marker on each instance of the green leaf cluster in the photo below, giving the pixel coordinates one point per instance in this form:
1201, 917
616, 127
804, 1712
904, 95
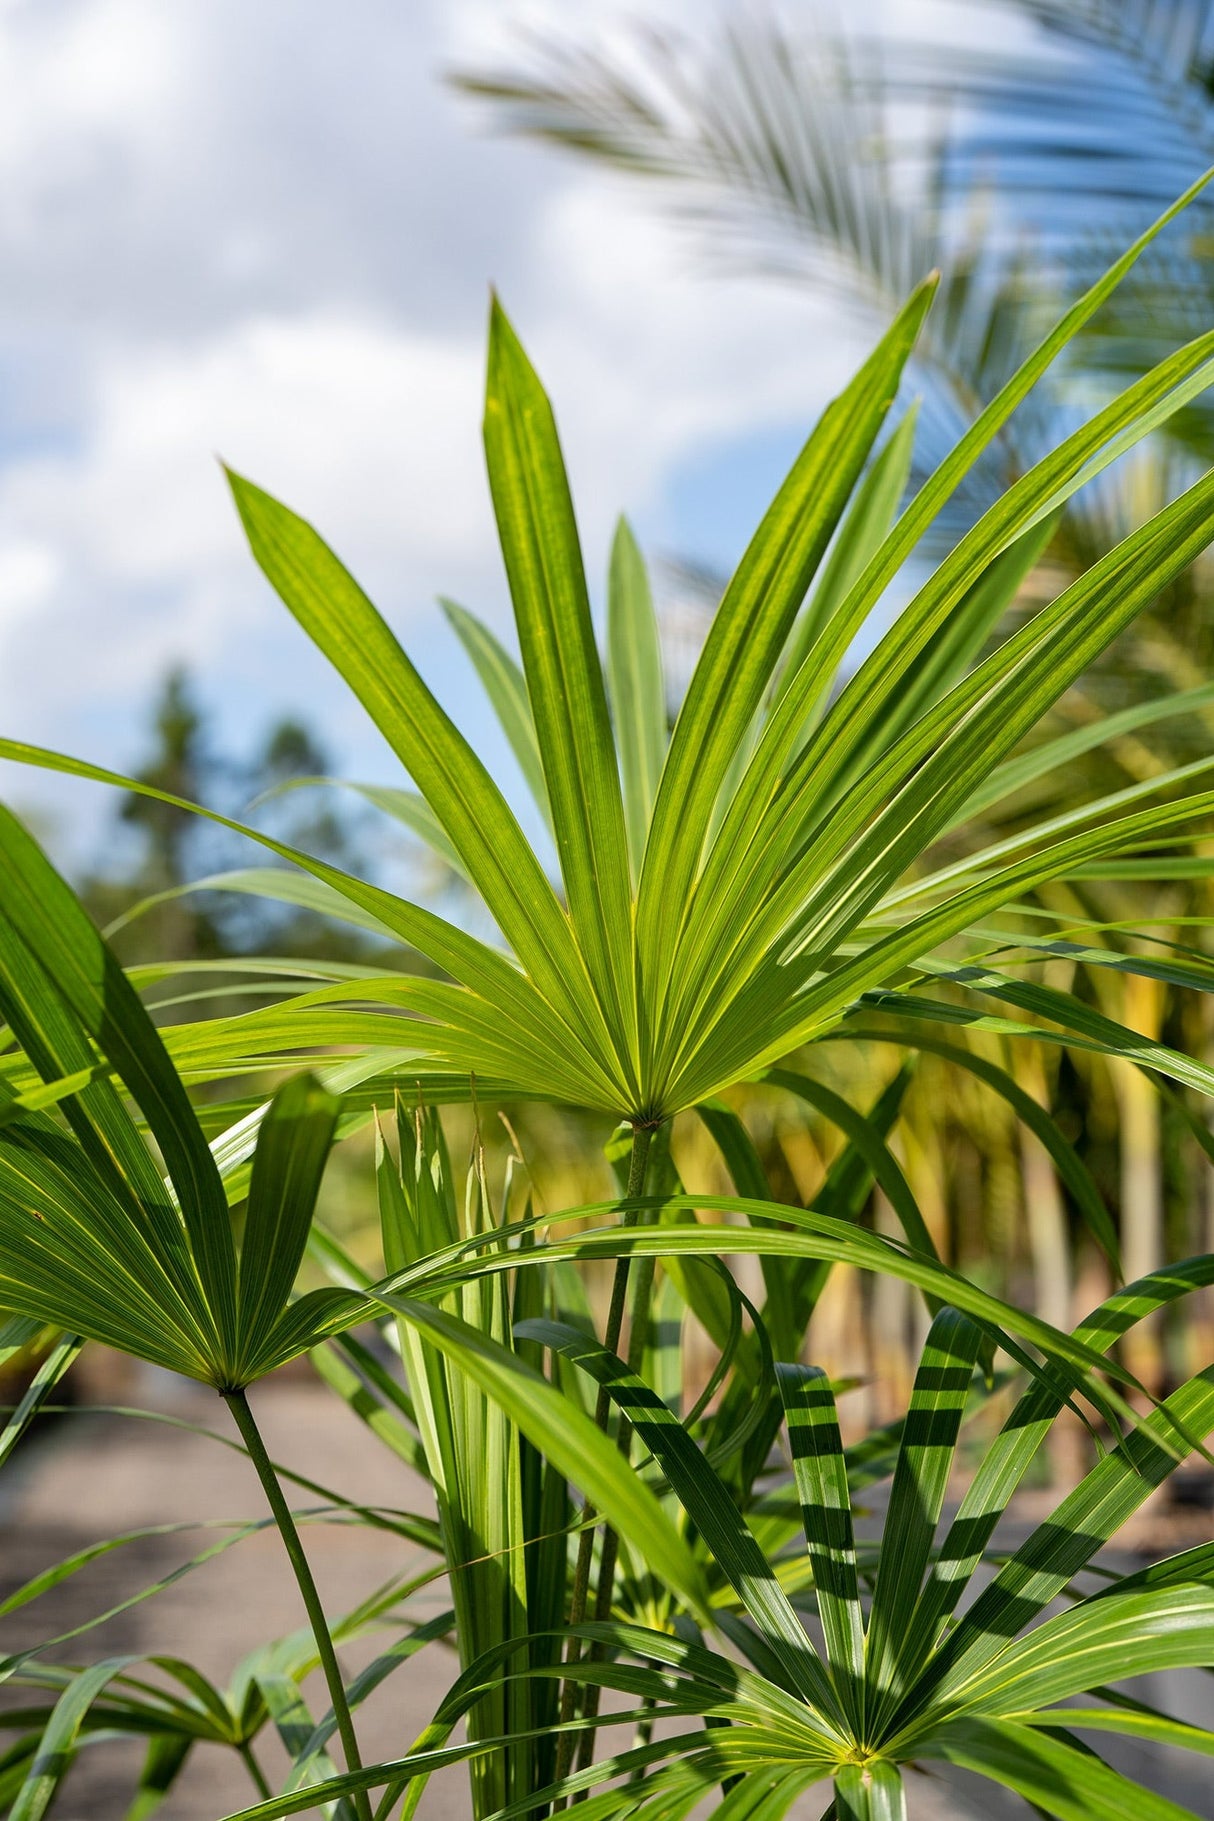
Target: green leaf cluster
93, 1238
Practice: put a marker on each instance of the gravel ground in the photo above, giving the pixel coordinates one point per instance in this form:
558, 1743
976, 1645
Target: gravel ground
97, 1475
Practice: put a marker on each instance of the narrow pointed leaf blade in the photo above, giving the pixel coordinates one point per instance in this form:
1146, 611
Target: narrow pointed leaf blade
708, 1502
925, 1459
873, 1792
292, 1148
1073, 1172
506, 687
820, 1472
1008, 1457
1055, 1775
561, 662
636, 684
58, 1744
1112, 1638
51, 1370
868, 1141
488, 975
861, 534
567, 1437
57, 1044
338, 617
72, 1256
407, 807
1058, 1548
750, 629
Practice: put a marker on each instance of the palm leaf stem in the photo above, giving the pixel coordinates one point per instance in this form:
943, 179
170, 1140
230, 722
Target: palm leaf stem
238, 1404
642, 1138
642, 1296
258, 1776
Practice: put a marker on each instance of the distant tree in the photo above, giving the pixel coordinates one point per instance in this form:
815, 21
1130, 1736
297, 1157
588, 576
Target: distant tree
174, 848
182, 763
181, 766
292, 755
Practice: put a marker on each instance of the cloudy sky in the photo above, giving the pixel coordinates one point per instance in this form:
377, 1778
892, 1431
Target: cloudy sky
267, 232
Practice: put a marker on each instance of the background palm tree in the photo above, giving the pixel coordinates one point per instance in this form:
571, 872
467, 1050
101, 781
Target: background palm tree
1108, 107
800, 151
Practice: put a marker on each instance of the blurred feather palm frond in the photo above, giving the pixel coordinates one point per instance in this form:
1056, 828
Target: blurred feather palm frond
1013, 168
779, 149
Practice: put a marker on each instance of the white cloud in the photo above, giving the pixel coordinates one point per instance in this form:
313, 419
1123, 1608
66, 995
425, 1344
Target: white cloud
29, 572
367, 428
268, 234
360, 417
371, 429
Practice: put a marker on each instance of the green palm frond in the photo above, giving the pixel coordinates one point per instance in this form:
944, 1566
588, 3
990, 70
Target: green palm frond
94, 1240
772, 849
897, 1684
894, 1685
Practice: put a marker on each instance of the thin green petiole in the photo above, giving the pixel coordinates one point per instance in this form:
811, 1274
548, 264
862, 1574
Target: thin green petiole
260, 1780
642, 1296
642, 1138
238, 1404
